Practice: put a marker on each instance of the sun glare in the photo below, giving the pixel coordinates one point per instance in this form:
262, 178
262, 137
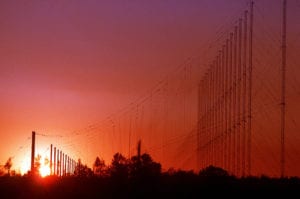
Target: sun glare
25, 166
44, 170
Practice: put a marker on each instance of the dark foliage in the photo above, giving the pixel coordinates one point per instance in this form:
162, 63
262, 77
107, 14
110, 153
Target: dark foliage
212, 171
82, 170
141, 177
8, 165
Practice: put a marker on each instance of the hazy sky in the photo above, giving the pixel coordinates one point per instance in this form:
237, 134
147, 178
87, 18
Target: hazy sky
66, 64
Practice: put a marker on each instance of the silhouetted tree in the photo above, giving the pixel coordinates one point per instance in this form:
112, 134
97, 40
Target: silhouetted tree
37, 165
119, 167
212, 171
144, 167
78, 168
99, 167
171, 171
8, 165
82, 170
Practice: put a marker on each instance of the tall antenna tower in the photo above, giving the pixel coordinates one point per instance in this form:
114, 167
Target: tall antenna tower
283, 74
250, 88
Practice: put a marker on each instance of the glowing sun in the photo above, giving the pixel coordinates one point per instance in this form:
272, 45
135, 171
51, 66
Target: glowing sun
44, 170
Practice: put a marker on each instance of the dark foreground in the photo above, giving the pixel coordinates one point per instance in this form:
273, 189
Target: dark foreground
181, 185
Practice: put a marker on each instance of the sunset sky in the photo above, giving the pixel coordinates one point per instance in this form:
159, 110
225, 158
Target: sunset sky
65, 65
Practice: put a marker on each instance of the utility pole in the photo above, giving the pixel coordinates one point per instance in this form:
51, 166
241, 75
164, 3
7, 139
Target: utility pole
239, 77
225, 132
230, 104
54, 160
51, 159
283, 76
199, 126
214, 130
129, 137
223, 107
219, 127
32, 152
69, 171
234, 100
63, 165
250, 88
66, 159
209, 82
244, 94
58, 163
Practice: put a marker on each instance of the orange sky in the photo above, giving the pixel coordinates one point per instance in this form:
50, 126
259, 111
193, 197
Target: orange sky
64, 66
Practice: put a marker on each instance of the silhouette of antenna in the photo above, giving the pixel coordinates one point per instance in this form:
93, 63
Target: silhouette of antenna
250, 88
283, 82
32, 152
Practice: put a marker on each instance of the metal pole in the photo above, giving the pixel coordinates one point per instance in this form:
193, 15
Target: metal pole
63, 165
219, 109
234, 146
54, 160
51, 146
239, 97
230, 105
223, 106
250, 88
58, 163
32, 152
244, 94
283, 103
198, 129
226, 106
